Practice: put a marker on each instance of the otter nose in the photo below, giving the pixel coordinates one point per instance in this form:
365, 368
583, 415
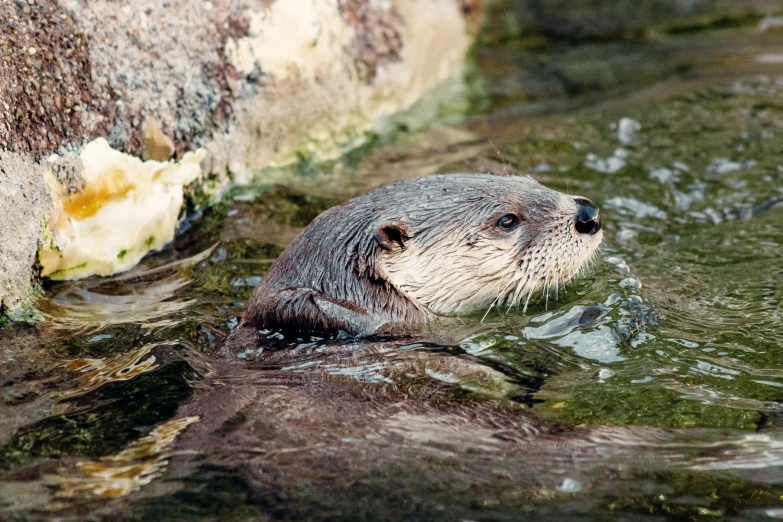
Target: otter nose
588, 221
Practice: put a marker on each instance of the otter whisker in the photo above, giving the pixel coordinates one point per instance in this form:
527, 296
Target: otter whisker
518, 292
512, 295
523, 288
505, 159
494, 301
524, 310
546, 283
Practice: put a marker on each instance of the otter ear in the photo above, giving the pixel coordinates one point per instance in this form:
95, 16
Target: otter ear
392, 236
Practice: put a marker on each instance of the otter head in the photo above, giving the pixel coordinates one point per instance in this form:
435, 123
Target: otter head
392, 259
490, 240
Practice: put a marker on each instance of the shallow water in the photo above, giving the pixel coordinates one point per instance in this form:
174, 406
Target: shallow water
649, 388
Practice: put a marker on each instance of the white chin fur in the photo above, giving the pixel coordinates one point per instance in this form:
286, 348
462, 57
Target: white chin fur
451, 277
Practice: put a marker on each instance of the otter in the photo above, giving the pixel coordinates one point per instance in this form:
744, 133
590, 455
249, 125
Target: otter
391, 260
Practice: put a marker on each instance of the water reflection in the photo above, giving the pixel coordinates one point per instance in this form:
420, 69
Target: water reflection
99, 372
122, 473
143, 297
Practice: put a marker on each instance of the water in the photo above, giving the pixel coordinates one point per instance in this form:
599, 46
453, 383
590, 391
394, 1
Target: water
650, 388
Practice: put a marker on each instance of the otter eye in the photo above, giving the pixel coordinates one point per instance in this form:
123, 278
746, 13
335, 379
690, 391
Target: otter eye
508, 222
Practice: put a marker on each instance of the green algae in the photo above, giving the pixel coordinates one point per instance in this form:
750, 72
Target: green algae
709, 23
289, 206
146, 400
640, 406
62, 271
244, 258
5, 320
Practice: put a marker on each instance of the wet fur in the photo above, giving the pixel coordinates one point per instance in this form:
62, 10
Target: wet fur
388, 261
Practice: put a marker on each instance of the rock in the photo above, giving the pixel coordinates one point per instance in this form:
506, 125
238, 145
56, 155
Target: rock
68, 170
608, 165
724, 165
157, 145
209, 87
627, 129
634, 208
90, 232
665, 175
23, 205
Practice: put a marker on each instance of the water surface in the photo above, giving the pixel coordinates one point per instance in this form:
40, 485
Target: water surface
649, 388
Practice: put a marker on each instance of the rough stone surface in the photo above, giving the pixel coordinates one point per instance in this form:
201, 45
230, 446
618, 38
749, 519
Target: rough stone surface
378, 39
68, 170
162, 60
22, 207
157, 79
48, 97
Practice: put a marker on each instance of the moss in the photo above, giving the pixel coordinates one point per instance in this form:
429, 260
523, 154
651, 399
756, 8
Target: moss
285, 204
704, 23
144, 401
691, 496
305, 163
201, 192
4, 317
62, 271
625, 404
244, 258
26, 311
353, 156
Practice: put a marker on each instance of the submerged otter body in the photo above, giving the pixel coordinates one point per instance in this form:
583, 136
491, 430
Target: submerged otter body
393, 259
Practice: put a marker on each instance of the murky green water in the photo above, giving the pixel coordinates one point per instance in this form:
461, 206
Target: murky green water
650, 388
